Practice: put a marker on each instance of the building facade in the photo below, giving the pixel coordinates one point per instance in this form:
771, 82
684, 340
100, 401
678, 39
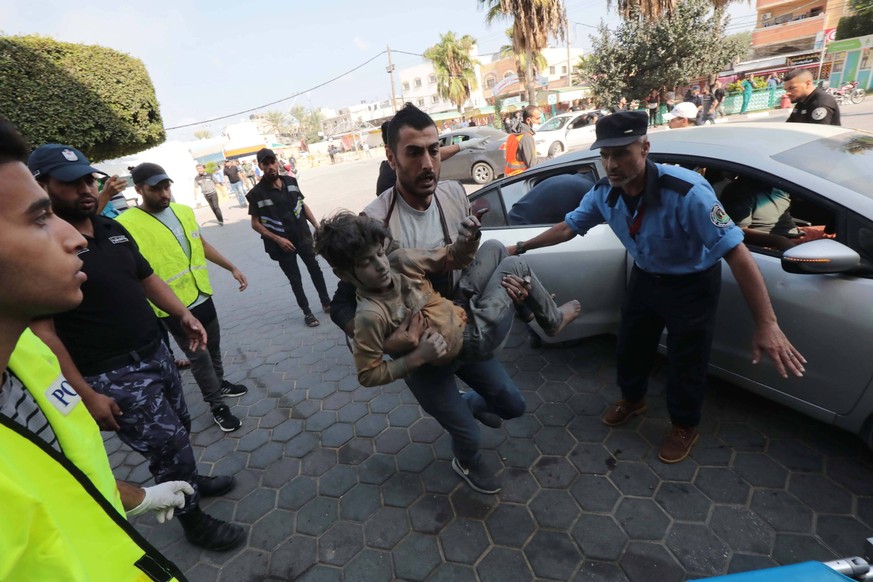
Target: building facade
794, 26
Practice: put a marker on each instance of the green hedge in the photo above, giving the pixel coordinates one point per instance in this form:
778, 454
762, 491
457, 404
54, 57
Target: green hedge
93, 98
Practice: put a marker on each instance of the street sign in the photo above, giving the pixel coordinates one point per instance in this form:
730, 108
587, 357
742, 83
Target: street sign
553, 98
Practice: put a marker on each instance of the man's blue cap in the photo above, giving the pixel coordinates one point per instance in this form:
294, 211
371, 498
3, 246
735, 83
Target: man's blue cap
620, 129
62, 162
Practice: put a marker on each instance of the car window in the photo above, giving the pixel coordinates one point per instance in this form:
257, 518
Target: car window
843, 159
456, 139
490, 198
445, 140
554, 123
580, 122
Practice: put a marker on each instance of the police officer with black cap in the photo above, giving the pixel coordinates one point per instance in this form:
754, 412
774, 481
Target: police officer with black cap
677, 232
811, 104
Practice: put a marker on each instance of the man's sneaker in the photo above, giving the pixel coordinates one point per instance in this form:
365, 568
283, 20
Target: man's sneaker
488, 418
477, 476
622, 411
678, 444
209, 533
225, 419
214, 486
232, 390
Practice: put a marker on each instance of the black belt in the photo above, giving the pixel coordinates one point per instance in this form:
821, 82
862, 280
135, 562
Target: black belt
677, 277
134, 356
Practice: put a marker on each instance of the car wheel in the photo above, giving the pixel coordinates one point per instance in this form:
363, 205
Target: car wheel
482, 173
556, 149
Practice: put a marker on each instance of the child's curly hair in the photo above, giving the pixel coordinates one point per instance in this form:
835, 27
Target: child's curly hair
341, 237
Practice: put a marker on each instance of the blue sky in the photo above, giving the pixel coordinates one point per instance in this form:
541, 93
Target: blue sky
208, 59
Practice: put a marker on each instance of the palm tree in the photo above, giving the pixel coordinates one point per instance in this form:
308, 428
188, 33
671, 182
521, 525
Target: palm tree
276, 122
454, 67
202, 134
651, 9
539, 61
534, 23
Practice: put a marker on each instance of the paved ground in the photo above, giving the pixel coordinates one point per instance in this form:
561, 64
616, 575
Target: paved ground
340, 482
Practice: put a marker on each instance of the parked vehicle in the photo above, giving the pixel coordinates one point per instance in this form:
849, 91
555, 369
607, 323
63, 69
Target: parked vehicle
566, 131
821, 290
849, 93
481, 166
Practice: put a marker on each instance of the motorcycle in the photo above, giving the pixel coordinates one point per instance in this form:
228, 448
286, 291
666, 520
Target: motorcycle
848, 93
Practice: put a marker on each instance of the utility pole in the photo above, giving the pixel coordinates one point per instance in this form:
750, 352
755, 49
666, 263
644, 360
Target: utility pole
390, 69
567, 33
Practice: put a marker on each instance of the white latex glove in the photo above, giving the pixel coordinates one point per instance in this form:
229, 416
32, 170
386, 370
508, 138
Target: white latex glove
468, 229
163, 499
477, 143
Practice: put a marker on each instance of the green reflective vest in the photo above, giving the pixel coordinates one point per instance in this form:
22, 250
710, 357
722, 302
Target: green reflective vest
186, 277
61, 516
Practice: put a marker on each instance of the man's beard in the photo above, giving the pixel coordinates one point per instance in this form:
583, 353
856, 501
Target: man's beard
420, 186
75, 213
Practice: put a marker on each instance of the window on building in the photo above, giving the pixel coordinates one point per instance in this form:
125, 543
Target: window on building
420, 102
406, 85
551, 70
508, 74
417, 82
490, 81
564, 69
431, 79
865, 59
434, 98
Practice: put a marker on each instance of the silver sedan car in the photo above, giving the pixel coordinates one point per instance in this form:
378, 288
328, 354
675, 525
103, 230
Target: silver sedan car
822, 290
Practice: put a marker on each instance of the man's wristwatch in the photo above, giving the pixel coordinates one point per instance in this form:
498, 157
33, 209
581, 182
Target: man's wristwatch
519, 248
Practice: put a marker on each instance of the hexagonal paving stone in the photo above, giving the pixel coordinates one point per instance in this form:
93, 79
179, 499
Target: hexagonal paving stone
464, 540
340, 543
287, 430
555, 472
510, 525
385, 528
634, 478
759, 470
554, 441
627, 446
272, 530
426, 430
820, 493
748, 562
415, 458
360, 502
322, 573
552, 554
446, 572
337, 435
525, 426
401, 489
416, 556
439, 478
355, 452
502, 564
796, 456
595, 493
367, 566
554, 509
280, 473
301, 445
741, 437
645, 562
404, 416
318, 462
741, 529
795, 548
431, 513
711, 451
317, 516
683, 501
591, 571
371, 425
297, 493
519, 486
783, 511
642, 519
520, 453
844, 534
376, 469
249, 560
698, 549
722, 485
591, 458
255, 505
554, 414
555, 391
352, 412
470, 504
852, 475
599, 537
337, 481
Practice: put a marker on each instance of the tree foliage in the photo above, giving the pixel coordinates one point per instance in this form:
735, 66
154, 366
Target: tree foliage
855, 25
534, 23
654, 9
202, 134
507, 51
454, 66
96, 99
305, 123
641, 55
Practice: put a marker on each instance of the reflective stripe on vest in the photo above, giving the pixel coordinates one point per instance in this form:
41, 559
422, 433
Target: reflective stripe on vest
61, 517
513, 164
187, 278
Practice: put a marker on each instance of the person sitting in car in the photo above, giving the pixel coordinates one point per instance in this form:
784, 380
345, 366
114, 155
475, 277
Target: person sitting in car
549, 201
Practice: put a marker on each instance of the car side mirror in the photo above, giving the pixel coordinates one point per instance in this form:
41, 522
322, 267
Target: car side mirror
820, 257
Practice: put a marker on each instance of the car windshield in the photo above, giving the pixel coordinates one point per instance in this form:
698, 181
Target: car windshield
843, 159
554, 123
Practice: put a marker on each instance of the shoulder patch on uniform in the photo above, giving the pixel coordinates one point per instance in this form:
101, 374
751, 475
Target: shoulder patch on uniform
819, 113
678, 185
719, 217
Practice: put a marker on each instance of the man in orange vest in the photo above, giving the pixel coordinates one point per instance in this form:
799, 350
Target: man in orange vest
521, 150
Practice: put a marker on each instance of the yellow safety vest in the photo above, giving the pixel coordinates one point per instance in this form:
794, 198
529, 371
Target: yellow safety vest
186, 277
61, 517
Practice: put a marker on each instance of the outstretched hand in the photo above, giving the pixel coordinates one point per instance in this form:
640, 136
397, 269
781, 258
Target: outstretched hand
785, 356
469, 227
477, 143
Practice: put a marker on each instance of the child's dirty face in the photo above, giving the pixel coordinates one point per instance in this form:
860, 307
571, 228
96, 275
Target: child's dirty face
372, 269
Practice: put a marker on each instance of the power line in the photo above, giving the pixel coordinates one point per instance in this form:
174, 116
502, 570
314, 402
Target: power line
340, 76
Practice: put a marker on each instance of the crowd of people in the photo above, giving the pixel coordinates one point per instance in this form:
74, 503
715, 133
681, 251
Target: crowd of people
89, 303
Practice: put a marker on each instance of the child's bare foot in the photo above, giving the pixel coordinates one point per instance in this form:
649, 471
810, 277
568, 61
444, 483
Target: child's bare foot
569, 311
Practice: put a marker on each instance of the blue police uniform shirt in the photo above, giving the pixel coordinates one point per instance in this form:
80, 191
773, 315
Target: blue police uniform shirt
683, 228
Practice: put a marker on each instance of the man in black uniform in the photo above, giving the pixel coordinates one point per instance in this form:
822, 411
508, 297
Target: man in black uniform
110, 349
811, 104
279, 215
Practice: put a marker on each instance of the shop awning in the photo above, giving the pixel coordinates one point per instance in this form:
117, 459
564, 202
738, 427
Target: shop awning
244, 151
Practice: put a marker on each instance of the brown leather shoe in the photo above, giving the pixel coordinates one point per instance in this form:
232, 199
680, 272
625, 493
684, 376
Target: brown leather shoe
678, 444
622, 411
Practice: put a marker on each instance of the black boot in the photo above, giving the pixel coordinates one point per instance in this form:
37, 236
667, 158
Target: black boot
210, 533
214, 486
